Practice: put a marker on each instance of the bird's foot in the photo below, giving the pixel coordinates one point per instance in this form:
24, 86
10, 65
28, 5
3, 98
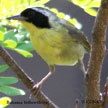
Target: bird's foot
36, 88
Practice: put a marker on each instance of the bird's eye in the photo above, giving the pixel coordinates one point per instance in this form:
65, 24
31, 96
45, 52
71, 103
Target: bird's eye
30, 13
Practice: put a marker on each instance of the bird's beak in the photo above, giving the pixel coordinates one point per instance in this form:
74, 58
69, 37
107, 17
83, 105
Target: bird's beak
17, 17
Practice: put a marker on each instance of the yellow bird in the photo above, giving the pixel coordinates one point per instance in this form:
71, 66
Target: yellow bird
56, 40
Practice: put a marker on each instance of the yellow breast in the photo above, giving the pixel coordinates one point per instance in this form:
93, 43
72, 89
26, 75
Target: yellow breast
55, 47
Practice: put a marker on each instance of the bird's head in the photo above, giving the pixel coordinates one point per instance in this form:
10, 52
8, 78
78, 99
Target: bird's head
39, 17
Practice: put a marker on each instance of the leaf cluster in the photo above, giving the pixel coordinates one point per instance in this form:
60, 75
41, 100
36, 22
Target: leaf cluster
6, 82
16, 39
89, 6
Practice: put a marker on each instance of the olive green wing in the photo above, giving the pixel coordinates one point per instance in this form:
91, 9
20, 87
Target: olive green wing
76, 34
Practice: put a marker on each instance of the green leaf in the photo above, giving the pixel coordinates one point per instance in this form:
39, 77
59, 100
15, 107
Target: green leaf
10, 35
80, 2
75, 23
88, 5
1, 36
11, 91
3, 29
9, 44
25, 46
23, 52
91, 11
21, 36
94, 3
29, 2
8, 80
41, 2
3, 68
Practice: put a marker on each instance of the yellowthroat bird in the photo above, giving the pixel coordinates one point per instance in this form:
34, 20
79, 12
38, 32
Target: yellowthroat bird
56, 40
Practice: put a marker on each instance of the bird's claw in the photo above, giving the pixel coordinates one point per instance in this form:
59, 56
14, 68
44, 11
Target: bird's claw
36, 88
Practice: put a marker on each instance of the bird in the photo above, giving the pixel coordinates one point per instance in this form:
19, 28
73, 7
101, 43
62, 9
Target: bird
55, 39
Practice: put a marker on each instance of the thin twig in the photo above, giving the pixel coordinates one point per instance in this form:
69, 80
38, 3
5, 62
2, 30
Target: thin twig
28, 82
97, 56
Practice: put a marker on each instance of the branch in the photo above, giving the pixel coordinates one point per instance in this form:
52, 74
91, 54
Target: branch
97, 55
28, 82
105, 94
